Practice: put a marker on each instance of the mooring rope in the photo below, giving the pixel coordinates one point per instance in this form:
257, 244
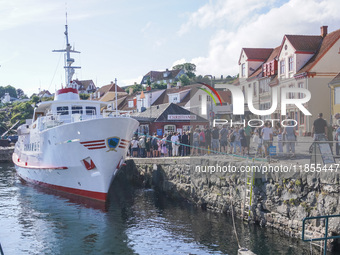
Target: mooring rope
232, 216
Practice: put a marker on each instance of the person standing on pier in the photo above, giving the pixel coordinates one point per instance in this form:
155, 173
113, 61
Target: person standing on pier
175, 144
247, 131
267, 137
196, 142
185, 142
215, 139
169, 144
224, 139
290, 139
319, 129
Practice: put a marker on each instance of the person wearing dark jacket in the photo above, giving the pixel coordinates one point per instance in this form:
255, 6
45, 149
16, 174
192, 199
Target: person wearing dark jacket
185, 142
169, 144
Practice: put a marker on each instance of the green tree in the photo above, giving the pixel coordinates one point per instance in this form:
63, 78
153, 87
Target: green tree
184, 80
20, 93
136, 87
22, 111
161, 85
35, 99
8, 89
84, 96
11, 91
188, 68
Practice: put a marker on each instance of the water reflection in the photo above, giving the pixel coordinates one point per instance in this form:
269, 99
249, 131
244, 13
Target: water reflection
133, 222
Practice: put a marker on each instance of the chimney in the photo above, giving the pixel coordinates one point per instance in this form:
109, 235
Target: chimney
168, 86
323, 31
130, 91
111, 82
179, 84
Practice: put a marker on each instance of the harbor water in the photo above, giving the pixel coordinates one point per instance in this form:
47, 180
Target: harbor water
135, 221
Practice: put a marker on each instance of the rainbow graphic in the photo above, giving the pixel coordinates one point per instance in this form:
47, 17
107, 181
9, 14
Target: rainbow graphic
210, 94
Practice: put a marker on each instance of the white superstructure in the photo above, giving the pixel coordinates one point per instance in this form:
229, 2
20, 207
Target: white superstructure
73, 145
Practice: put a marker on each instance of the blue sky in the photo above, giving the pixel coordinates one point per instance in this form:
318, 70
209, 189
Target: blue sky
125, 39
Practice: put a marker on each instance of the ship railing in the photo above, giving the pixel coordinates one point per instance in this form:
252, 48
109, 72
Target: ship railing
114, 113
55, 120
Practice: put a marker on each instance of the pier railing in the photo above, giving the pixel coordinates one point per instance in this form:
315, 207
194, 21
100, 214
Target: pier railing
326, 237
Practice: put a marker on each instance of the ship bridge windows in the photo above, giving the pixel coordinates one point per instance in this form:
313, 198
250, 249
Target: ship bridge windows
77, 109
62, 110
90, 110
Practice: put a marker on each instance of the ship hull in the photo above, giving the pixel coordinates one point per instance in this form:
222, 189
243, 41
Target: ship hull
80, 158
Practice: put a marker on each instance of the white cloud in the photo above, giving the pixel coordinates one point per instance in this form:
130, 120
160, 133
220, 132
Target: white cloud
146, 27
178, 62
128, 82
228, 12
252, 29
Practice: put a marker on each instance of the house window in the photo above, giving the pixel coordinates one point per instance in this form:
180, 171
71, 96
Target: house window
290, 64
186, 128
77, 109
130, 104
300, 85
90, 110
62, 110
337, 95
174, 99
264, 85
208, 98
302, 118
243, 70
282, 67
143, 129
291, 94
199, 97
169, 128
255, 89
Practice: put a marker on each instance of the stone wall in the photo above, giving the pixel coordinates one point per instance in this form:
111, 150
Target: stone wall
6, 154
280, 201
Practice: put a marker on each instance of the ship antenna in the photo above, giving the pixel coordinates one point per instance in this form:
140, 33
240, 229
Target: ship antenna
69, 70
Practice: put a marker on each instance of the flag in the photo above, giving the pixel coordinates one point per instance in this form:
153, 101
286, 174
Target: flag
142, 96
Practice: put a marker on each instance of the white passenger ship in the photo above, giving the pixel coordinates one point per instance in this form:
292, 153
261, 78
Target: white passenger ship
73, 145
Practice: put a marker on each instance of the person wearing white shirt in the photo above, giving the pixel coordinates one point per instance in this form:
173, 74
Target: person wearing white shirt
175, 144
267, 136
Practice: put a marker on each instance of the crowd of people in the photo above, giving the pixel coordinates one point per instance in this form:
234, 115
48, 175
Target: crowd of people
217, 140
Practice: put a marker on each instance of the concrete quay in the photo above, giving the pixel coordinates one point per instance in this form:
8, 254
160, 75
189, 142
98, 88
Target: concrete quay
6, 154
279, 200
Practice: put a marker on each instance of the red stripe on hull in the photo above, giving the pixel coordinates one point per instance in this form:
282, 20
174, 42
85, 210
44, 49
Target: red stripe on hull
79, 192
97, 141
95, 144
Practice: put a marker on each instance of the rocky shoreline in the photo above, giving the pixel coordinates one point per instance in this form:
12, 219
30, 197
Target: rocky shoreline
280, 201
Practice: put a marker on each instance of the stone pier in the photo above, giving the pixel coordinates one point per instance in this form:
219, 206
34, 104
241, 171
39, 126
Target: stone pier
6, 154
280, 201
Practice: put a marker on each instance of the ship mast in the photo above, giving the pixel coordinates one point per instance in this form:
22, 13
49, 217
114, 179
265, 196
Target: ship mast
69, 70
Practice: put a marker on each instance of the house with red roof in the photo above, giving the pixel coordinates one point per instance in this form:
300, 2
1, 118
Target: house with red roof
301, 61
85, 86
107, 93
167, 76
